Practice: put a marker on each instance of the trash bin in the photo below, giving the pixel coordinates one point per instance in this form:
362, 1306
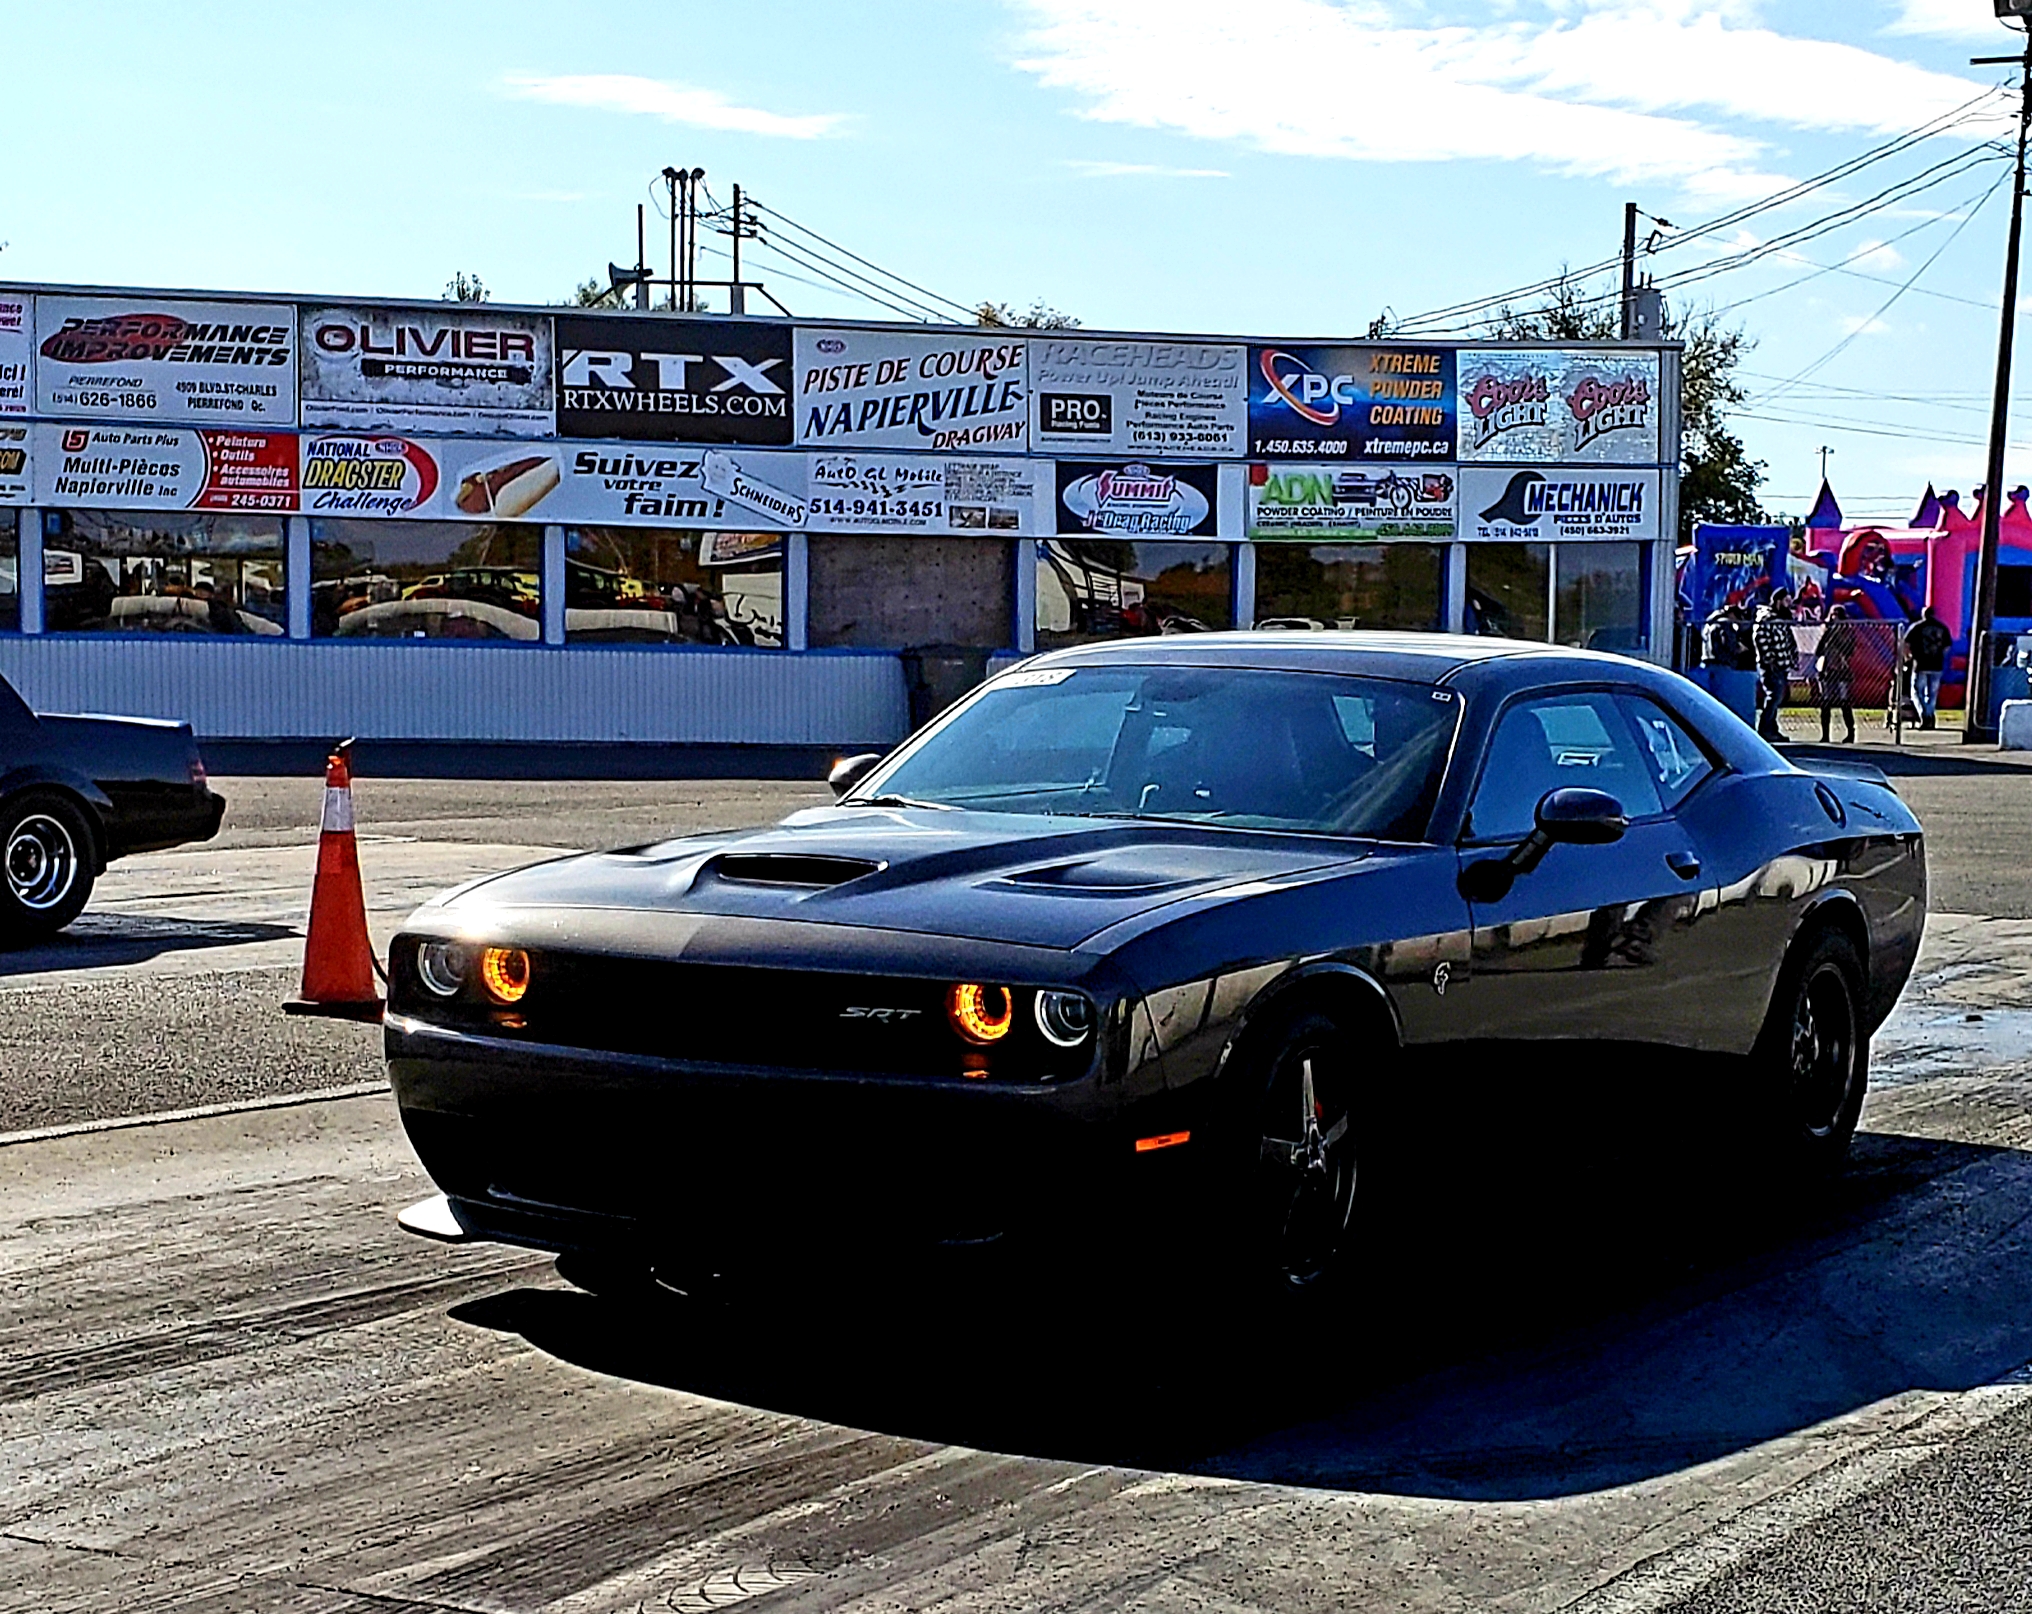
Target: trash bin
936, 675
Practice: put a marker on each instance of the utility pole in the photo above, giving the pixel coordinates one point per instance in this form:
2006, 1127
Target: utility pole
1824, 452
1629, 270
1976, 725
670, 178
737, 294
641, 259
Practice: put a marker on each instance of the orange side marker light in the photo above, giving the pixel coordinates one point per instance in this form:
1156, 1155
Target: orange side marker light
1163, 1140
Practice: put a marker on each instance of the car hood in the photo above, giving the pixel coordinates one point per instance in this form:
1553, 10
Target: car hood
1045, 882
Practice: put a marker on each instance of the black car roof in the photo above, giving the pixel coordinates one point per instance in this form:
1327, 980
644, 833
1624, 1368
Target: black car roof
1430, 657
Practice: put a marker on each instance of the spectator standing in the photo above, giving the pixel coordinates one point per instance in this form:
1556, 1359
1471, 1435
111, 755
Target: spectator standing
1720, 636
1835, 674
1927, 643
1777, 654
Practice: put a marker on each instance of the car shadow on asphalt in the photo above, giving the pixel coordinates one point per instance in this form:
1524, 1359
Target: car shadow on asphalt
1561, 1316
109, 940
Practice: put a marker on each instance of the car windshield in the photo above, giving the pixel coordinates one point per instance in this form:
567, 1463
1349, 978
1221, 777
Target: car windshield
1242, 747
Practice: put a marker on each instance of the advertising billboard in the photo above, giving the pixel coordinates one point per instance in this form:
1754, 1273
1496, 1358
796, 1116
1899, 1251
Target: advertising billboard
1093, 396
155, 358
1386, 402
164, 468
365, 474
936, 392
619, 484
17, 343
1557, 505
1314, 501
1137, 499
673, 380
1518, 404
17, 485
410, 370
914, 493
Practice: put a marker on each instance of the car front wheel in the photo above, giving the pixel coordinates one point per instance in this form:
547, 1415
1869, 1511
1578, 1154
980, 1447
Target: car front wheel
1302, 1183
45, 868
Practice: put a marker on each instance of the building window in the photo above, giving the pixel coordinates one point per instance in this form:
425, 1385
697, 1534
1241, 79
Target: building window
1349, 585
1117, 588
899, 592
426, 580
1509, 590
655, 585
1596, 602
142, 572
10, 572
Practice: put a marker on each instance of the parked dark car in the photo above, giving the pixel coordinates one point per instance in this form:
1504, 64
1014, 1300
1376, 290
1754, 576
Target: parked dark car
1164, 914
77, 792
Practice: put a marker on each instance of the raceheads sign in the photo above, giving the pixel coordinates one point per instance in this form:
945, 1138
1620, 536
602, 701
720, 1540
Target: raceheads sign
1101, 397
677, 380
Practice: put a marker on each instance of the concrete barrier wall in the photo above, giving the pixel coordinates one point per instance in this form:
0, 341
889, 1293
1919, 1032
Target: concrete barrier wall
276, 690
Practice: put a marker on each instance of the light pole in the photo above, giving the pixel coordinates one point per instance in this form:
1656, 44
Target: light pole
1976, 724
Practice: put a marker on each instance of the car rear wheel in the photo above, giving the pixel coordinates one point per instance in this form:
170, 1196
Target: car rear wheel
1300, 1196
45, 867
1814, 1056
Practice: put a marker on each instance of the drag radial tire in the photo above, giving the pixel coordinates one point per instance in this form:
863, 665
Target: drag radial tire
46, 866
1295, 1122
1812, 1059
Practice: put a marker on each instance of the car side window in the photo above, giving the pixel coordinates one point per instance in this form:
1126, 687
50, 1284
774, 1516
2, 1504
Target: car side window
1677, 763
1552, 742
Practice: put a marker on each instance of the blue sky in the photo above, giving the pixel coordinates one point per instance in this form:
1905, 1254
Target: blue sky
1274, 167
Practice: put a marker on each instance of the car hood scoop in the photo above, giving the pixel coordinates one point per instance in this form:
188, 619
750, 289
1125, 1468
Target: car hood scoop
1046, 882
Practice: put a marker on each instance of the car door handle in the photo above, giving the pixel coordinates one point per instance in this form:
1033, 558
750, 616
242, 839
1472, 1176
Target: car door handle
1684, 864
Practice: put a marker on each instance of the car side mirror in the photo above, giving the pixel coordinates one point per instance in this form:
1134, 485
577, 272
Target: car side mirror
1571, 816
850, 771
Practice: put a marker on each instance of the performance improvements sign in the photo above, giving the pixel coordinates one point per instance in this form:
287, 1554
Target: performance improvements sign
151, 358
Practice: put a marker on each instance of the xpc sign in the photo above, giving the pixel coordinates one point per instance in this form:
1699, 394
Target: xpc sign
701, 381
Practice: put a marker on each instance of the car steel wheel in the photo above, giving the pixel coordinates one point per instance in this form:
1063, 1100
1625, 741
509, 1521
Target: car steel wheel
42, 862
1306, 1170
1823, 1049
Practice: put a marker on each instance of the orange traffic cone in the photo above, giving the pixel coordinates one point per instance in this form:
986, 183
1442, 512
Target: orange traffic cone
338, 959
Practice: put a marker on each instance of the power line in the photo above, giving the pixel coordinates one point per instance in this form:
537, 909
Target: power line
910, 285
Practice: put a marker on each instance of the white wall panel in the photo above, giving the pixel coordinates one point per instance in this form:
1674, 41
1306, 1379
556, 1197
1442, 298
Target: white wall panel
246, 689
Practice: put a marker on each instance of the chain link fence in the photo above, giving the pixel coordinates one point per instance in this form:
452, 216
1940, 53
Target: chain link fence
1854, 663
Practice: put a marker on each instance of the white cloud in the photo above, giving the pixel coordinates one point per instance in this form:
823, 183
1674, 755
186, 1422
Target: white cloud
1858, 325
1590, 87
1952, 19
1106, 170
673, 103
1877, 255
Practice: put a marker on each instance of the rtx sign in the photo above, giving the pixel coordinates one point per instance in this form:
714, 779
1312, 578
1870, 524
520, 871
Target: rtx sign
698, 381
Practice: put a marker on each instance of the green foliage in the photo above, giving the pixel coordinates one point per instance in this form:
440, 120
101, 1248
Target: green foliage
1718, 481
1039, 316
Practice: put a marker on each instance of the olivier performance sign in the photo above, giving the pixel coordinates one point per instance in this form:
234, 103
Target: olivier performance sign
403, 370
156, 359
673, 380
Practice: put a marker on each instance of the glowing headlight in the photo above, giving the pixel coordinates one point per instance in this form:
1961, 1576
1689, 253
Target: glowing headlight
1065, 1018
981, 1014
504, 972
441, 966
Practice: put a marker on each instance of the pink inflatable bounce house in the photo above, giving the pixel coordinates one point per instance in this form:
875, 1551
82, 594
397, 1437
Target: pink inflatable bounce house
1894, 572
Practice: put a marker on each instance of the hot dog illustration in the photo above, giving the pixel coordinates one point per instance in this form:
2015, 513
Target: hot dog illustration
508, 490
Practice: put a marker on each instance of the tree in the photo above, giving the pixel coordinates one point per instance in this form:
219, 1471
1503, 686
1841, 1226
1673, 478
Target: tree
464, 288
1039, 316
1718, 481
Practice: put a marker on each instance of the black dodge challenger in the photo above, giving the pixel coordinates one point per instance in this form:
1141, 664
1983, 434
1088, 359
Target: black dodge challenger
77, 792
1149, 918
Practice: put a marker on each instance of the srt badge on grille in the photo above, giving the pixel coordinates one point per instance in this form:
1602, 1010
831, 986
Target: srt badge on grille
855, 1011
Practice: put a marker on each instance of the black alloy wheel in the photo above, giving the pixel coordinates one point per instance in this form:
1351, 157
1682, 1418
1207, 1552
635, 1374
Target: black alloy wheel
1814, 1052
46, 869
1302, 1191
